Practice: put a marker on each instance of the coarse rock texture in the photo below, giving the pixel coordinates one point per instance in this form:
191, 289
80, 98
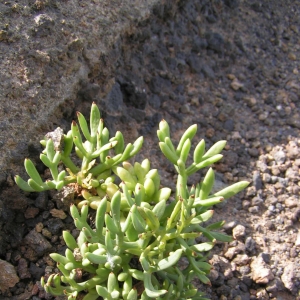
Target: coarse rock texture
231, 67
49, 50
8, 277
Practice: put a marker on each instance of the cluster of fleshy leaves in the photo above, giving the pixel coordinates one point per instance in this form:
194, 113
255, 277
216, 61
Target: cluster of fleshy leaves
133, 248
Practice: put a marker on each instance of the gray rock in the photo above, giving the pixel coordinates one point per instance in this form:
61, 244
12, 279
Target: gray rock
35, 271
253, 152
37, 242
244, 270
137, 114
232, 251
14, 199
114, 102
230, 225
208, 71
55, 225
229, 125
250, 244
89, 92
265, 256
194, 63
155, 101
159, 84
185, 109
23, 269
275, 286
198, 44
8, 276
222, 265
232, 3
70, 43
215, 41
231, 159
42, 200
266, 177
288, 277
44, 25
64, 197
256, 201
257, 182
262, 166
254, 210
280, 157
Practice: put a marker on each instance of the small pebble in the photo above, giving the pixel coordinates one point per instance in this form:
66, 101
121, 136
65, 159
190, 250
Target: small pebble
39, 227
239, 232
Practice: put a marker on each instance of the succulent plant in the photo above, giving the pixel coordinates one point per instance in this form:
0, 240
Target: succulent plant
142, 243
93, 152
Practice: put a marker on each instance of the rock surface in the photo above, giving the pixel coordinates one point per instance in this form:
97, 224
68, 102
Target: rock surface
227, 66
48, 51
8, 275
261, 272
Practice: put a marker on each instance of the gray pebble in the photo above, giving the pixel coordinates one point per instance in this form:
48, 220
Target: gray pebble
244, 270
256, 201
155, 101
250, 244
271, 208
257, 180
262, 166
41, 201
37, 242
266, 177
254, 210
288, 277
55, 225
253, 152
279, 157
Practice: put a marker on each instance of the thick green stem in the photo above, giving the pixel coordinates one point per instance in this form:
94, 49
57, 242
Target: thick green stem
69, 164
181, 187
54, 172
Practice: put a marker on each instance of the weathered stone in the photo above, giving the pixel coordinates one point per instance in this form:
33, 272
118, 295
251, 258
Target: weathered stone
261, 272
71, 42
222, 265
232, 251
37, 242
288, 277
241, 259
23, 269
8, 276
239, 231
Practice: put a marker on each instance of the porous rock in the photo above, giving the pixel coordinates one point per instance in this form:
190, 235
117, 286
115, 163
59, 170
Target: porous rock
57, 49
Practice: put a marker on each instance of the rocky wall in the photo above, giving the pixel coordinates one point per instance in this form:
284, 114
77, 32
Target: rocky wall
49, 50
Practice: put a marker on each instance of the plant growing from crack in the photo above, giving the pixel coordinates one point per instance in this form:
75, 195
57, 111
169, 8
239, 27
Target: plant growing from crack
139, 235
